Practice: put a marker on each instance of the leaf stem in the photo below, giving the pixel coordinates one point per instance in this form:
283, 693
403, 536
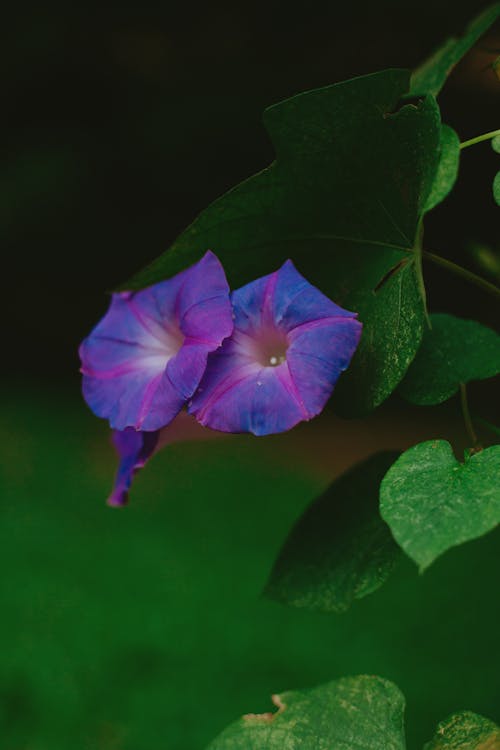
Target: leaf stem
467, 417
480, 138
464, 273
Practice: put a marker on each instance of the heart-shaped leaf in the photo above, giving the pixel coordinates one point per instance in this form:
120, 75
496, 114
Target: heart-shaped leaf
433, 502
340, 549
466, 731
441, 365
362, 712
431, 76
343, 200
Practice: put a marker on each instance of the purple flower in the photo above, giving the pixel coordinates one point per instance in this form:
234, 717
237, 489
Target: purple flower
147, 355
135, 448
289, 346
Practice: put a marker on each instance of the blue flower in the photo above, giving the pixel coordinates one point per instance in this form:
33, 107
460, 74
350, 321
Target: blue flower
146, 357
289, 345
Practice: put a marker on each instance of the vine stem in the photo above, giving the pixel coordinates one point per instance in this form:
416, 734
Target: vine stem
480, 138
467, 417
488, 286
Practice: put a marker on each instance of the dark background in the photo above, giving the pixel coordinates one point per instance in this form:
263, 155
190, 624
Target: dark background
145, 629
120, 123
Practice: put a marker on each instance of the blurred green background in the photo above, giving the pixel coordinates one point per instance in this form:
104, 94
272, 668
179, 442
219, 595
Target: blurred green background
145, 628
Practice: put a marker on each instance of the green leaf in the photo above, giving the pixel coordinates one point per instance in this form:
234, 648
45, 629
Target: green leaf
432, 502
496, 188
447, 171
340, 549
454, 351
343, 200
495, 144
362, 712
431, 76
393, 325
466, 731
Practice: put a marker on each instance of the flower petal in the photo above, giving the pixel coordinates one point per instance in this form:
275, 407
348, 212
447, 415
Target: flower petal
134, 448
295, 301
185, 370
319, 352
204, 309
289, 345
146, 357
248, 398
283, 298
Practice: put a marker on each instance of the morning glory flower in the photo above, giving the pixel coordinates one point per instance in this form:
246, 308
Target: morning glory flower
289, 345
146, 357
136, 447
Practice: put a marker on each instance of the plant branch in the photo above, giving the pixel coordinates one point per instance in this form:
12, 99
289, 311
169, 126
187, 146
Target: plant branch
480, 138
464, 273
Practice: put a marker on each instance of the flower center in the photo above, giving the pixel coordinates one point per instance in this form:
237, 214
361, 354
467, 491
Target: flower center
162, 345
172, 339
271, 348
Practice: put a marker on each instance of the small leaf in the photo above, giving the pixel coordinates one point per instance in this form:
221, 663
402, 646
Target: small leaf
432, 502
340, 549
343, 200
362, 712
454, 351
495, 144
447, 171
466, 731
496, 188
431, 76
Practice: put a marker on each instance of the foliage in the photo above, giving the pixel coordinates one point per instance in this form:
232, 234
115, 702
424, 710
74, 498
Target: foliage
362, 712
466, 731
447, 171
343, 199
431, 76
432, 502
358, 166
496, 188
340, 549
440, 365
